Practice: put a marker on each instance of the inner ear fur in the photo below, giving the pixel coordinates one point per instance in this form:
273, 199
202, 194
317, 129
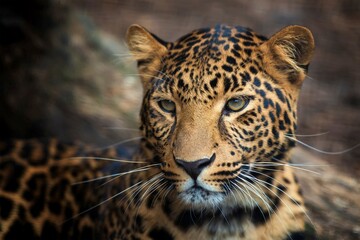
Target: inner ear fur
147, 49
287, 54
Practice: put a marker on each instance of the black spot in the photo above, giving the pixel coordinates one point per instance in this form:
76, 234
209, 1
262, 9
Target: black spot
160, 233
237, 47
281, 125
6, 148
286, 180
275, 132
231, 60
262, 93
6, 207
14, 173
253, 70
49, 230
248, 51
213, 82
150, 202
260, 216
280, 95
260, 143
233, 40
26, 151
180, 83
227, 68
21, 229
286, 118
296, 236
54, 207
257, 82
272, 117
227, 84
87, 233
266, 103
268, 86
185, 220
37, 186
278, 109
232, 153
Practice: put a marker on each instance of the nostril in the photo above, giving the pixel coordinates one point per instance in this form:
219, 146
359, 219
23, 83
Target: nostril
203, 163
194, 168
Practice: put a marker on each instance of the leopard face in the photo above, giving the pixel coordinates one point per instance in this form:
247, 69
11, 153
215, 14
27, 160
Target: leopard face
218, 103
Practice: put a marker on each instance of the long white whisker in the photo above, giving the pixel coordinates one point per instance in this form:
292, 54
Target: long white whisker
140, 169
110, 198
322, 151
110, 159
307, 135
122, 128
141, 187
301, 207
271, 209
280, 164
254, 190
117, 144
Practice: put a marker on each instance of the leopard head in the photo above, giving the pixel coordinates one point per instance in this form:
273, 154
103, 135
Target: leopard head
217, 102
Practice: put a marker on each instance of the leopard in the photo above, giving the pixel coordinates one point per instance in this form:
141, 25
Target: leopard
217, 123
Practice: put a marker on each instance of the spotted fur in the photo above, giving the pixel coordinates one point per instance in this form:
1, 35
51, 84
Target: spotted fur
217, 119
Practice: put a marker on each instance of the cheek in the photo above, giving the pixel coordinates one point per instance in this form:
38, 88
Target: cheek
161, 126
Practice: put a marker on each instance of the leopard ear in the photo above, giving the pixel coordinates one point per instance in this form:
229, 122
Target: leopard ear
287, 54
147, 49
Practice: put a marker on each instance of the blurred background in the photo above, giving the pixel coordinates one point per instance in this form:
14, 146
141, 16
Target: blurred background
65, 71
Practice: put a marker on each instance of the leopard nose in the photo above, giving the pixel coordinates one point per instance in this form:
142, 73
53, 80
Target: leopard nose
194, 168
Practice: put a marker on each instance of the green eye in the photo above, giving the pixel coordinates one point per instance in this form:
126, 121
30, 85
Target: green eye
167, 106
236, 104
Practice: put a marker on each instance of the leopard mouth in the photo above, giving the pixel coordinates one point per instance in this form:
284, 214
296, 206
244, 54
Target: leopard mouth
199, 196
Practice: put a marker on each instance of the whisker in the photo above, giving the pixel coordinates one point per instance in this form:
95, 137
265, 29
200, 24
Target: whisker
140, 169
301, 207
152, 179
280, 164
148, 192
123, 128
243, 193
270, 209
97, 205
145, 75
117, 144
307, 135
255, 191
110, 159
322, 151
145, 168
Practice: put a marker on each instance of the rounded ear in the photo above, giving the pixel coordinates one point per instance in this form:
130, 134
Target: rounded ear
287, 54
147, 49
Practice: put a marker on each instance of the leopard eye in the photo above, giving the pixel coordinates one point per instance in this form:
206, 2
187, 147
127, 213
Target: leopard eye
167, 106
236, 104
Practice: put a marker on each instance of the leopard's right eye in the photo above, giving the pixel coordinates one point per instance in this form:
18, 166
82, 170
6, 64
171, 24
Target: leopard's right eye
236, 104
167, 106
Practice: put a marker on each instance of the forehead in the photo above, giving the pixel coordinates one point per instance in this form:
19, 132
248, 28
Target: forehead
205, 57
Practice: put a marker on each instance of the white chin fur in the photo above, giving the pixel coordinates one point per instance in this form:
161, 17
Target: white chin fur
201, 197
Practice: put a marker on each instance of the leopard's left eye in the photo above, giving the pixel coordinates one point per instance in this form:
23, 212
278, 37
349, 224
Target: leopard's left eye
167, 106
236, 104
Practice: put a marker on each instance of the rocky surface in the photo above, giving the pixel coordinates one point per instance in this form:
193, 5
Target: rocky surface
332, 198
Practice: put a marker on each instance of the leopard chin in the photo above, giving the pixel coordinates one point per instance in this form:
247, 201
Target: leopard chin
197, 196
